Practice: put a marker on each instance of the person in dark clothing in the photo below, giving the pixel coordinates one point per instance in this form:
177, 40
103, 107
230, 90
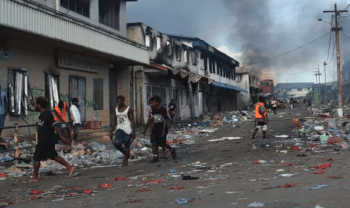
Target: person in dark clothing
172, 107
48, 135
160, 129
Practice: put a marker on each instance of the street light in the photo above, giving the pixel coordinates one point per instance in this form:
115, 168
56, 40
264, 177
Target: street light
321, 20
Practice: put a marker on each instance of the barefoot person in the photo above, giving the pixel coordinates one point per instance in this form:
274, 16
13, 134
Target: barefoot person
160, 129
48, 134
125, 134
260, 118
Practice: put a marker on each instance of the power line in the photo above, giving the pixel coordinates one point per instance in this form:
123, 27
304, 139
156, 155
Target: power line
345, 35
345, 9
286, 52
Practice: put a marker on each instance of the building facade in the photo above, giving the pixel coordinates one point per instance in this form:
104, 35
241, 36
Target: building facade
294, 90
187, 69
64, 49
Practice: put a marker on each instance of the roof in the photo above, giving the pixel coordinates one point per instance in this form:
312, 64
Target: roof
293, 85
203, 46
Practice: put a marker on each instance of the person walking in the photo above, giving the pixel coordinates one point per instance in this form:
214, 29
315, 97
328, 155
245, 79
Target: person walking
160, 129
3, 111
260, 118
48, 135
274, 106
125, 134
74, 111
172, 107
60, 115
291, 103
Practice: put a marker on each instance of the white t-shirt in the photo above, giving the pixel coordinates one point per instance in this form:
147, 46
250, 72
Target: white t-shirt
75, 114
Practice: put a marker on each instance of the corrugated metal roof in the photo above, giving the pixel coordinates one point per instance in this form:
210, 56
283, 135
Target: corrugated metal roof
226, 86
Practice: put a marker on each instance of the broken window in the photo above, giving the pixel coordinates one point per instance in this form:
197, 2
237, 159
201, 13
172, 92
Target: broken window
159, 44
109, 13
78, 6
98, 94
52, 90
186, 56
19, 94
178, 52
147, 40
169, 47
194, 57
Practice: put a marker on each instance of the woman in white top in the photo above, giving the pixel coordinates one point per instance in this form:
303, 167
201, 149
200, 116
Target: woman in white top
74, 111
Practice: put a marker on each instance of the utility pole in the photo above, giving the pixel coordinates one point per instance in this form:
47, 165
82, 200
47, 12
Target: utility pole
337, 30
324, 67
319, 81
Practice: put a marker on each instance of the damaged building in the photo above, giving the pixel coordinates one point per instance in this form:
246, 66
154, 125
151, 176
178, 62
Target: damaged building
65, 49
197, 76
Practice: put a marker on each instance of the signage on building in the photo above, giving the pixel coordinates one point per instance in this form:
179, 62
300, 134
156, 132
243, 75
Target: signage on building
4, 55
74, 61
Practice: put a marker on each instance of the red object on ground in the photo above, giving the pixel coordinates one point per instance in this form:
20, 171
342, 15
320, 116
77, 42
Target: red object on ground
330, 159
105, 185
35, 197
3, 175
288, 164
177, 188
36, 192
295, 148
154, 181
121, 179
335, 177
143, 190
288, 185
255, 162
76, 188
335, 140
296, 121
87, 191
313, 145
320, 172
323, 166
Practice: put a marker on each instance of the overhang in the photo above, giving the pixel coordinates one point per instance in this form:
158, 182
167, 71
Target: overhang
226, 86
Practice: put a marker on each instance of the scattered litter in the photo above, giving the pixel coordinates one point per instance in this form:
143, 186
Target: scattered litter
105, 185
224, 138
323, 166
256, 204
287, 175
335, 177
282, 136
318, 187
289, 185
177, 188
143, 190
181, 201
288, 164
259, 162
320, 172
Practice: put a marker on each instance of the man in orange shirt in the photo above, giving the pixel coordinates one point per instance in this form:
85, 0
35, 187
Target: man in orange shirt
60, 113
260, 118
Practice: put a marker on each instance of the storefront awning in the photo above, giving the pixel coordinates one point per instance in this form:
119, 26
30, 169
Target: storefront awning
226, 86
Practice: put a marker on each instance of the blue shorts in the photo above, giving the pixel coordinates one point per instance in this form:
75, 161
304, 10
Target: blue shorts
122, 138
2, 121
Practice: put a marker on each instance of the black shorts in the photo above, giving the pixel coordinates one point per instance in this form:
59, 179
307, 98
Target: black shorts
159, 140
44, 152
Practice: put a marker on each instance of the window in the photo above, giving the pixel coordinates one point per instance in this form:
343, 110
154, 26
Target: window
196, 100
98, 94
78, 6
185, 56
181, 98
178, 52
159, 44
52, 90
239, 79
169, 47
147, 40
210, 66
194, 57
109, 13
18, 91
217, 69
187, 97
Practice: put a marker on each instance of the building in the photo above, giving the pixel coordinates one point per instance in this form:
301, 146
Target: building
295, 90
250, 82
65, 49
187, 69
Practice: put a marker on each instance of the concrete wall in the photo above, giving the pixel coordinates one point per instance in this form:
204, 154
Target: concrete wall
244, 84
94, 14
37, 58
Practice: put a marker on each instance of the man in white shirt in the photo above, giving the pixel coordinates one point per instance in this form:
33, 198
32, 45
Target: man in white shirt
74, 111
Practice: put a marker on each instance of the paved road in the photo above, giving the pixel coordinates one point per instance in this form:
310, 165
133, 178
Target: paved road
227, 178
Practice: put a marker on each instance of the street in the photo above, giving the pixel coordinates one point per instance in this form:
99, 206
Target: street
227, 175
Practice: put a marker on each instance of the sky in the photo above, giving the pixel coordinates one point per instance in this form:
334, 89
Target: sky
253, 31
